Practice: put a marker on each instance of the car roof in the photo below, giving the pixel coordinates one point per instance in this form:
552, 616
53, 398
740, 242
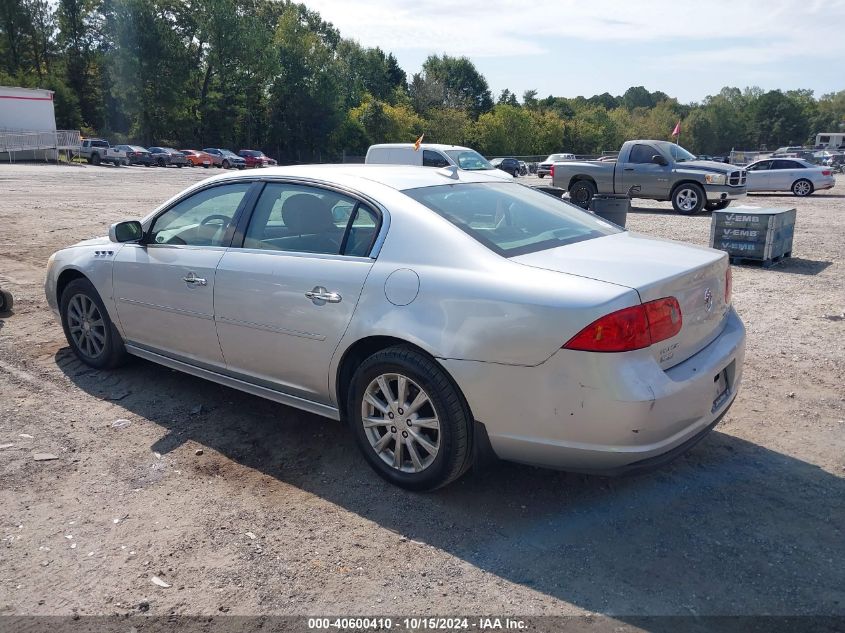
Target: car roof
439, 146
361, 177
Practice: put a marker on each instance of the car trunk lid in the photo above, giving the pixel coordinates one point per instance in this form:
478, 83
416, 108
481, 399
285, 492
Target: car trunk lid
655, 268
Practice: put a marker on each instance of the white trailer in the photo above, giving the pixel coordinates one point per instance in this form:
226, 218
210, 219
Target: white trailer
27, 124
830, 140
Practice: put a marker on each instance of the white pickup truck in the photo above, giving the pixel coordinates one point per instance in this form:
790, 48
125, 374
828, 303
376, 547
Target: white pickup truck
97, 151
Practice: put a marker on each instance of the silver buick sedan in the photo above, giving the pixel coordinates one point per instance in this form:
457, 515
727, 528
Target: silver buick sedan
442, 314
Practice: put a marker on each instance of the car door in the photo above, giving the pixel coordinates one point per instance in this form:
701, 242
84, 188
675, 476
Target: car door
164, 287
784, 173
640, 170
285, 296
759, 176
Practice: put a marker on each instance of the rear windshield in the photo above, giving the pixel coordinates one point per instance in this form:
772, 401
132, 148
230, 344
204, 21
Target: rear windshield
511, 219
469, 159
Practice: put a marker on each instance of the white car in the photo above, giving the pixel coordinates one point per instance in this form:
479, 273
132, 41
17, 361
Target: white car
438, 313
788, 174
432, 155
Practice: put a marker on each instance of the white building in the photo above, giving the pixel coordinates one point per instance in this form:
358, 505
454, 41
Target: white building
27, 124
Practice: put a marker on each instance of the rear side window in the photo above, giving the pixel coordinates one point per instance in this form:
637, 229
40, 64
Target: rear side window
642, 154
434, 159
511, 219
303, 219
786, 164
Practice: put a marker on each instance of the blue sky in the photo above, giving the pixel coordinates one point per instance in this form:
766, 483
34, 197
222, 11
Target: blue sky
568, 48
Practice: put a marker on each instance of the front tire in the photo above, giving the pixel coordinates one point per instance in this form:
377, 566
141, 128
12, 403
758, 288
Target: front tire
688, 198
541, 175
89, 331
802, 188
225, 164
409, 419
582, 192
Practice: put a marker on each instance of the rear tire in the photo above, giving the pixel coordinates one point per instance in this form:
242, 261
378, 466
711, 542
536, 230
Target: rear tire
688, 198
582, 192
434, 441
95, 159
541, 175
89, 331
802, 188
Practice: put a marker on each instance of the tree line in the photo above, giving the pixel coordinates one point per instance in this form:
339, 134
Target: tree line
275, 75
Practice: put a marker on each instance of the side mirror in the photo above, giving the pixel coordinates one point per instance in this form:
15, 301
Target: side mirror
129, 231
657, 158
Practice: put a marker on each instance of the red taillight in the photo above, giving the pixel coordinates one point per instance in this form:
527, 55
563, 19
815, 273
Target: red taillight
630, 328
552, 171
826, 172
729, 285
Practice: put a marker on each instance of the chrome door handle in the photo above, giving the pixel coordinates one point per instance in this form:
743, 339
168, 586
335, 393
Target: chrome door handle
191, 278
320, 295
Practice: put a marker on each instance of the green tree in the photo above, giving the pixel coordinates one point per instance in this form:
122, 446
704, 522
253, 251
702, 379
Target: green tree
463, 86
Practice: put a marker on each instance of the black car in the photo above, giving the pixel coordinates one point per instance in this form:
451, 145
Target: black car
509, 165
136, 155
164, 156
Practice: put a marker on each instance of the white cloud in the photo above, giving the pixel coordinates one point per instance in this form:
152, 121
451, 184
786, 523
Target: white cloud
763, 31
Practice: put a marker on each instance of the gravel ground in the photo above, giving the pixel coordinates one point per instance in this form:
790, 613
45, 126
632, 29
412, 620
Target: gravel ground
280, 515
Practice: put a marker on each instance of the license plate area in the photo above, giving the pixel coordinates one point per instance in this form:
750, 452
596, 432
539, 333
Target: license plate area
722, 389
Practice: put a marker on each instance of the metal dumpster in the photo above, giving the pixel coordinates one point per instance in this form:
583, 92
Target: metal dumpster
754, 234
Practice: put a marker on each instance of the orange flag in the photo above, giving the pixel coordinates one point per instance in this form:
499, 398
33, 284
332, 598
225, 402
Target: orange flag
417, 144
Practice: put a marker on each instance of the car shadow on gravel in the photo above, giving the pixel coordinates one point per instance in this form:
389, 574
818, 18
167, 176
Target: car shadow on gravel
797, 266
730, 528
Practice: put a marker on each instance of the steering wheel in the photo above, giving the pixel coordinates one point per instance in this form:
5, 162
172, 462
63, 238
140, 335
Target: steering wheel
215, 216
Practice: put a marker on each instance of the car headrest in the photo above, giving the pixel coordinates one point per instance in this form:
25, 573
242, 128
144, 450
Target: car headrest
307, 214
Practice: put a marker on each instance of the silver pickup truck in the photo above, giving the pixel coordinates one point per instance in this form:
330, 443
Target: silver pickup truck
662, 171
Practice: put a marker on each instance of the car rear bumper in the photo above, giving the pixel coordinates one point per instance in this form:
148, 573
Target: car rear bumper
607, 413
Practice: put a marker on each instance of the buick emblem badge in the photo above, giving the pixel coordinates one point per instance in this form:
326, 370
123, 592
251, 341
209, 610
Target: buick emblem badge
708, 300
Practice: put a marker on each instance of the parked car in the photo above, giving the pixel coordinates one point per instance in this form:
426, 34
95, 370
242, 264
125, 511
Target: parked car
136, 155
97, 150
256, 158
438, 313
507, 165
662, 171
430, 155
799, 176
227, 159
164, 156
544, 168
197, 158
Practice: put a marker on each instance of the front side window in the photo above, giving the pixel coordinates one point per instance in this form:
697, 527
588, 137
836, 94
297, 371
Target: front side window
304, 219
761, 166
201, 219
642, 154
511, 219
434, 159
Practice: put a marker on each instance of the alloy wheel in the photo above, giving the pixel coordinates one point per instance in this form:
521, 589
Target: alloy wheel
87, 326
801, 188
687, 199
401, 423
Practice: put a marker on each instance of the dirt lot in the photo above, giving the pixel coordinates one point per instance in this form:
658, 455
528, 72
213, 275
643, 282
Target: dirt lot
280, 515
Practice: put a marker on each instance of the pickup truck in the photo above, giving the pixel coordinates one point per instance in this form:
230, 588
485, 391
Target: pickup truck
97, 151
662, 171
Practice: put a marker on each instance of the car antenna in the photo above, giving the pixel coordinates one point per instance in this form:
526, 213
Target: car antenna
450, 171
